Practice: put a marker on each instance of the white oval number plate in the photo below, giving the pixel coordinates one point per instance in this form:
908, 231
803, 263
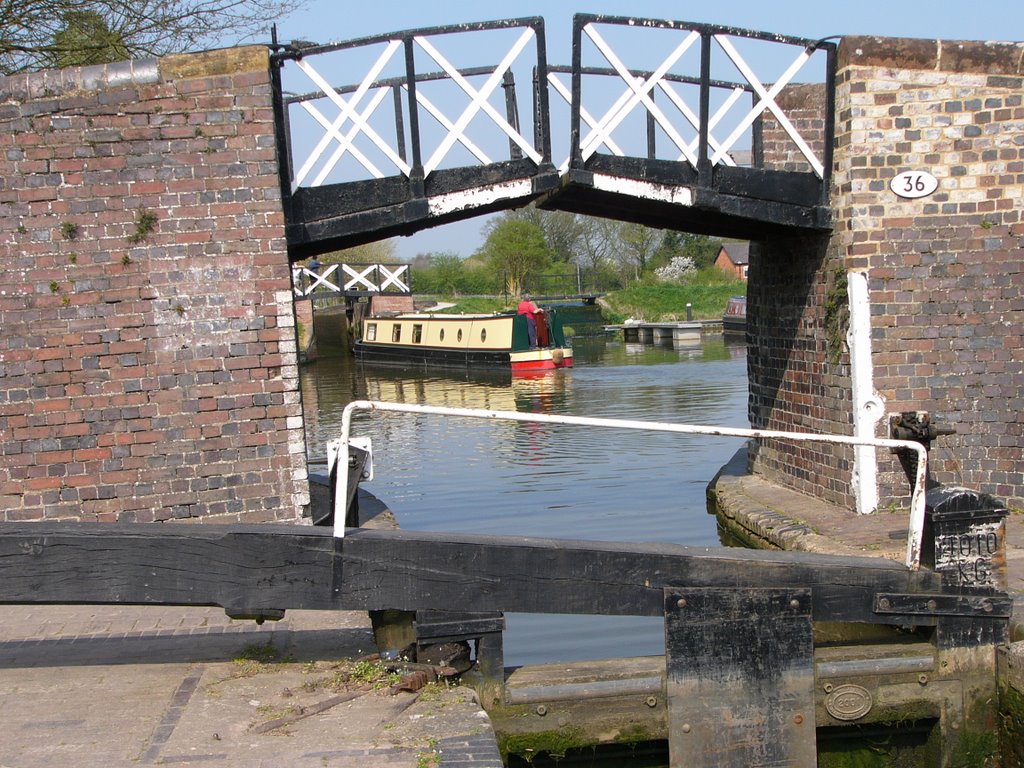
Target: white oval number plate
914, 184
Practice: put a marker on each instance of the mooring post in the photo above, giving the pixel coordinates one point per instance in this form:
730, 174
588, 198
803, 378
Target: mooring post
740, 678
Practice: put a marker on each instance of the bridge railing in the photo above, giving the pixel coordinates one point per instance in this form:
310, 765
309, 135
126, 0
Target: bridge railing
691, 92
406, 104
352, 279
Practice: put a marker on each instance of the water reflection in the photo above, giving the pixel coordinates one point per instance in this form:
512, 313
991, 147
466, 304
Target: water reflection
515, 478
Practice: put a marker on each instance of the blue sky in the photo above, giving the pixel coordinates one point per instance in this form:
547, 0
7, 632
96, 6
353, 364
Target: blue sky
325, 21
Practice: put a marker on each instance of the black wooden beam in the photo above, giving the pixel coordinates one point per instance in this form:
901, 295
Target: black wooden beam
236, 567
253, 568
479, 573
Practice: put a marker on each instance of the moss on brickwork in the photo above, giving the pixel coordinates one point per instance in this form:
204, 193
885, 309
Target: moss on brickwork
554, 743
837, 313
1011, 725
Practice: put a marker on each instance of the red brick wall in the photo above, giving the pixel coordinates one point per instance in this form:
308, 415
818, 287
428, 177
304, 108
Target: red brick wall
805, 107
147, 360
946, 272
799, 377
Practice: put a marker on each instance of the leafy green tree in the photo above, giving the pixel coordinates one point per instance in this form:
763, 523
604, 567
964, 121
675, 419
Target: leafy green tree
562, 229
701, 248
449, 272
36, 34
515, 249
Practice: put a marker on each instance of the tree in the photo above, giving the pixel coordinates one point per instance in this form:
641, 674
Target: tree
701, 248
86, 39
561, 229
377, 252
36, 34
638, 244
515, 248
448, 272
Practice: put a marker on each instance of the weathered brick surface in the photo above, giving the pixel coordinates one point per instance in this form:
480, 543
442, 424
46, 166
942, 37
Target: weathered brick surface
797, 381
946, 271
147, 361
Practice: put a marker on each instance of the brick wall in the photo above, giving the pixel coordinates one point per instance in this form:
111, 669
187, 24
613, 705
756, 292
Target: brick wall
148, 359
946, 272
799, 376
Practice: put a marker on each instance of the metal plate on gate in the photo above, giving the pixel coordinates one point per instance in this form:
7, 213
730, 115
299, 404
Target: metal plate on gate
740, 677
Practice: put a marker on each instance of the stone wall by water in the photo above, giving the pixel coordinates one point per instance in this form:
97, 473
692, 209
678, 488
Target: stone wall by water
148, 358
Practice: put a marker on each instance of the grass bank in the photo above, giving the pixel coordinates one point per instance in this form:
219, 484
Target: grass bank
707, 291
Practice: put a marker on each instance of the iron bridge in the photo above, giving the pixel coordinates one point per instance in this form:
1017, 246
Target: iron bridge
670, 124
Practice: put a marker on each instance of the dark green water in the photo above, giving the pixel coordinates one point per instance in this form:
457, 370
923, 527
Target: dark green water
508, 478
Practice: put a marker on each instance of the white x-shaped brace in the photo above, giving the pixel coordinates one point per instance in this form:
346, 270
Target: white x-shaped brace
441, 118
478, 101
767, 101
638, 92
317, 279
562, 90
347, 111
359, 278
674, 97
393, 277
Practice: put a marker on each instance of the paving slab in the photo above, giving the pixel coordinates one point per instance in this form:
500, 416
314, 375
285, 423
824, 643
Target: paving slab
110, 686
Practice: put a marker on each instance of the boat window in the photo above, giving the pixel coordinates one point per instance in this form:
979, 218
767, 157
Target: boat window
417, 333
396, 332
460, 335
371, 331
442, 334
483, 334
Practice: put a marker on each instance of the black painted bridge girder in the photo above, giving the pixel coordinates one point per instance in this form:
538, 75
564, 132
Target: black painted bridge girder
724, 198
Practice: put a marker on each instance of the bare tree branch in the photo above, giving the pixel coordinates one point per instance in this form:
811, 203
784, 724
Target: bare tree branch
36, 34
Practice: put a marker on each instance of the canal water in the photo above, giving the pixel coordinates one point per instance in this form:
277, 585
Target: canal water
511, 478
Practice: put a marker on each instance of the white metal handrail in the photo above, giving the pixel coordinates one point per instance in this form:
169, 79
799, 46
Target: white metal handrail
917, 501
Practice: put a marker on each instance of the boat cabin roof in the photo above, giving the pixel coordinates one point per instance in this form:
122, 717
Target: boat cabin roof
441, 316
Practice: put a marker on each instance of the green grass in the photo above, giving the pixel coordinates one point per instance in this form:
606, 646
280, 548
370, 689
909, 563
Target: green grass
474, 304
708, 291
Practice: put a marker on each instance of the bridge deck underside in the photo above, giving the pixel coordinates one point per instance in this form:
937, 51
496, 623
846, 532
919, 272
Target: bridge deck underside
736, 202
339, 216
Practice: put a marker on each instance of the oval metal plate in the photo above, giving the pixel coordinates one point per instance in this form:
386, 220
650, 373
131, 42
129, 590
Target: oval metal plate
912, 184
848, 702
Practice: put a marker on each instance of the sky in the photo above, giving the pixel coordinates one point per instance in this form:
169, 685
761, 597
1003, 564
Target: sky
324, 21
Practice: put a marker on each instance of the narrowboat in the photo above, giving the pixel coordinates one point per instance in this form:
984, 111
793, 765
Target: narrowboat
499, 340
735, 318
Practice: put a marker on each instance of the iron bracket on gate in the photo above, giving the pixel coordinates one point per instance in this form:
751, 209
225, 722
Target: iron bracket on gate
991, 606
344, 504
